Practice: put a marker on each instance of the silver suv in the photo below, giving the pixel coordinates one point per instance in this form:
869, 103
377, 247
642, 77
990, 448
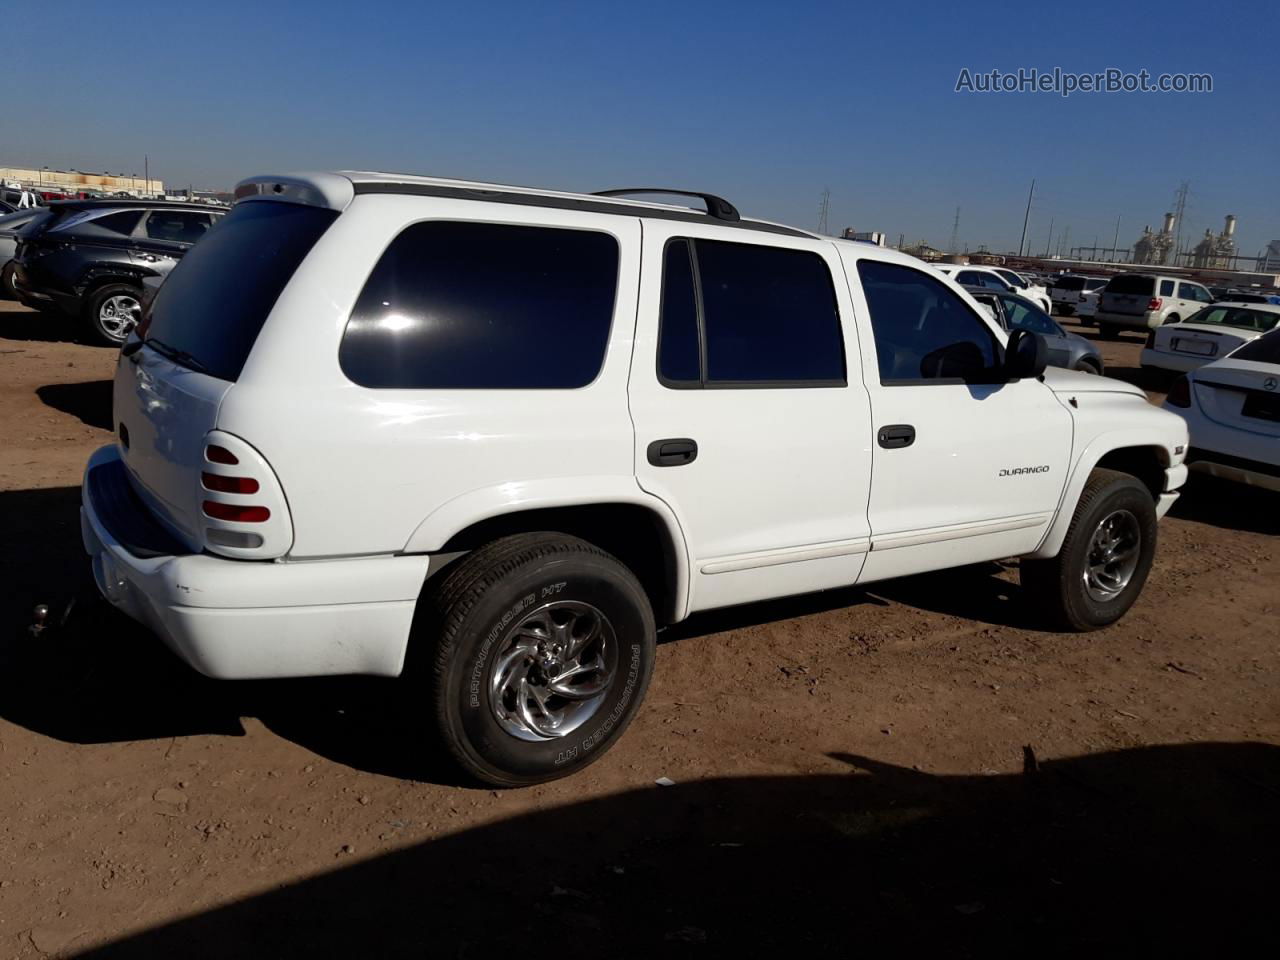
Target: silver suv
1144, 301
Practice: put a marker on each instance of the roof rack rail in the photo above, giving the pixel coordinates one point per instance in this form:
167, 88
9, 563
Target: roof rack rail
717, 207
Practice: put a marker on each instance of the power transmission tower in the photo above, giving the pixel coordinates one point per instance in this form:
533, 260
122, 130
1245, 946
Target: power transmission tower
822, 214
1048, 243
955, 234
1179, 211
1027, 216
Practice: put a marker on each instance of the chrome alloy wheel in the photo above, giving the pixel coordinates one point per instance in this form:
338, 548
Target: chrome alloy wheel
552, 670
118, 315
1114, 550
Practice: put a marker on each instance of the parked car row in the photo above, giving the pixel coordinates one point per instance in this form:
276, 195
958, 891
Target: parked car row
92, 259
1012, 312
997, 279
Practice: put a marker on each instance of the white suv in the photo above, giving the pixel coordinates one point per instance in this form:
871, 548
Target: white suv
492, 438
1144, 301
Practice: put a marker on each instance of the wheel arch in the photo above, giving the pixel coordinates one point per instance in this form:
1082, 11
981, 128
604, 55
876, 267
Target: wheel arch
639, 529
1130, 452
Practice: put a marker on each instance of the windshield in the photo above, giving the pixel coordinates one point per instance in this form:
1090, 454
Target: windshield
211, 308
1241, 317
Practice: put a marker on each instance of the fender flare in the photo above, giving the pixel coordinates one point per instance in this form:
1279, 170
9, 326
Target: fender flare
1097, 448
518, 496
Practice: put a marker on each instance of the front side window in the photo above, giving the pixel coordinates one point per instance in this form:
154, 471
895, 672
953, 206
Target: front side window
923, 331
461, 305
745, 314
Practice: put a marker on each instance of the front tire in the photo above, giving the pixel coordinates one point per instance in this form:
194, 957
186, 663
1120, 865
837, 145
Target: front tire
7, 289
1105, 558
112, 311
544, 646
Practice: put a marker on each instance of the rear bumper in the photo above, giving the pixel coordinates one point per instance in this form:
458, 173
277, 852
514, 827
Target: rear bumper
234, 619
1180, 362
1254, 473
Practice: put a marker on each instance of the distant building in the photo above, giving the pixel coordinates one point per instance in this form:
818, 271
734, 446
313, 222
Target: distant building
77, 182
870, 236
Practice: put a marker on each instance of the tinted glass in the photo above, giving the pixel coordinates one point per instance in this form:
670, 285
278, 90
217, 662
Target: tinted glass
1263, 350
218, 296
479, 305
1012, 277
969, 278
177, 226
678, 334
1070, 283
1093, 284
923, 330
1024, 316
1140, 286
1166, 288
769, 314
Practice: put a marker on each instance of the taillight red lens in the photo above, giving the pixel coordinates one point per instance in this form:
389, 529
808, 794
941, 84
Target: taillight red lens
1180, 393
218, 454
212, 481
227, 511
1155, 303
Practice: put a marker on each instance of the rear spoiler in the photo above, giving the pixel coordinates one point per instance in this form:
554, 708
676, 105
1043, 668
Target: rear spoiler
328, 190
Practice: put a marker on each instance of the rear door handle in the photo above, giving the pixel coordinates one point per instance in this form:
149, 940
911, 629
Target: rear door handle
673, 453
896, 435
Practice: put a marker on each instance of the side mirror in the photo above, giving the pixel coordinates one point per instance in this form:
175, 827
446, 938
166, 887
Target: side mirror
1025, 356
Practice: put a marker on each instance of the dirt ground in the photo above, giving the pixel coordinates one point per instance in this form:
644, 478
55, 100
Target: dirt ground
913, 764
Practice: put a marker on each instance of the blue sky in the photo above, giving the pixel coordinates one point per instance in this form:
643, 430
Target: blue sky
766, 104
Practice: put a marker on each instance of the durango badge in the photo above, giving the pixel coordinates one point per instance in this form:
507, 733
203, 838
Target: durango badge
1019, 471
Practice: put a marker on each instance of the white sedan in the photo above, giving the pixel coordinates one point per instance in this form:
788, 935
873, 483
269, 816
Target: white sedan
996, 278
1207, 335
1232, 409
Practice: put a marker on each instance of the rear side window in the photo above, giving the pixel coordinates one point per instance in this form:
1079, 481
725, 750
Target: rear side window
177, 226
454, 305
212, 306
738, 314
924, 332
1166, 288
1133, 285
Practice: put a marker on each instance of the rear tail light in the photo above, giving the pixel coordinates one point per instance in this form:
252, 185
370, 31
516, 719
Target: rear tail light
218, 454
215, 481
1180, 393
235, 513
1155, 303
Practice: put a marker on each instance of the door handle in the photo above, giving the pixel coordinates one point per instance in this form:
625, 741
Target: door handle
896, 435
673, 453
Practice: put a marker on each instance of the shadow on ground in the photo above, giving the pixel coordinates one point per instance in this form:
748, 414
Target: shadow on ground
89, 401
1227, 504
19, 323
1145, 852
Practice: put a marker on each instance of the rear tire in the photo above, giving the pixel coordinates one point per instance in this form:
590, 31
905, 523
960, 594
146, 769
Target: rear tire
1104, 560
1084, 366
544, 646
112, 311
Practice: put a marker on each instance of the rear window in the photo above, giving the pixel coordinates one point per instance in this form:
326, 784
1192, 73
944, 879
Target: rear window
456, 305
1141, 286
1070, 283
1241, 317
1263, 350
217, 298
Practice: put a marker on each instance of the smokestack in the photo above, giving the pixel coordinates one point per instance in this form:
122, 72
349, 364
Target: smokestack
1168, 223
1230, 228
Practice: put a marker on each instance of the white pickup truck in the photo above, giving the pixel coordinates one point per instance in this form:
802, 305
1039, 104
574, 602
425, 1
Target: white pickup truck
492, 438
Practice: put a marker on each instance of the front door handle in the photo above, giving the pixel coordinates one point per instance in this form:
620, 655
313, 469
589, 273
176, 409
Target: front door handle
673, 453
896, 435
